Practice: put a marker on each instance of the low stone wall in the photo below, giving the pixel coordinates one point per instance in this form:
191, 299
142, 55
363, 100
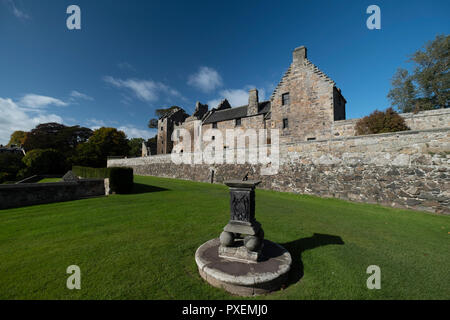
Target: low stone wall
424, 120
407, 169
25, 194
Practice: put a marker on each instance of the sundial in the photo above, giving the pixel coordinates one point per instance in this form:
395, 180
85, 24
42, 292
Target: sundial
242, 238
241, 261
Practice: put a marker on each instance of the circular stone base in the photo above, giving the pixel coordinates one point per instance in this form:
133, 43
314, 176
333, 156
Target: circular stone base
241, 278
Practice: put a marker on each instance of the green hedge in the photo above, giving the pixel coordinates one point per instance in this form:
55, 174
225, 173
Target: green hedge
120, 178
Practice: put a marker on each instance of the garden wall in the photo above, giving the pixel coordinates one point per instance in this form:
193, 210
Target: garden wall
407, 169
24, 194
424, 120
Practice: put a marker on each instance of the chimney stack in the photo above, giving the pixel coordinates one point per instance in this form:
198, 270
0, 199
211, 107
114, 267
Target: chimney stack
299, 55
252, 102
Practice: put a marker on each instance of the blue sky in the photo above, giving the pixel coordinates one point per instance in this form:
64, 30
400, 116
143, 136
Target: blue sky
131, 57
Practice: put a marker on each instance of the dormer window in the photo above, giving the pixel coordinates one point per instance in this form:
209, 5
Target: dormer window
285, 99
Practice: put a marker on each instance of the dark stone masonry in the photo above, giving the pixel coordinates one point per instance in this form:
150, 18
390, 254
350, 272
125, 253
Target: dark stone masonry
26, 194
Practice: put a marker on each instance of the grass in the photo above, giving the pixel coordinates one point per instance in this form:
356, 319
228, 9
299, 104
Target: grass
142, 245
47, 180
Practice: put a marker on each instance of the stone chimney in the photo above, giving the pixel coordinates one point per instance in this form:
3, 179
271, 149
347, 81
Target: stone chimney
252, 102
299, 55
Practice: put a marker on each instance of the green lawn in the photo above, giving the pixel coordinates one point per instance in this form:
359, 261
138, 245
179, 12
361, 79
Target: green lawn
47, 180
142, 245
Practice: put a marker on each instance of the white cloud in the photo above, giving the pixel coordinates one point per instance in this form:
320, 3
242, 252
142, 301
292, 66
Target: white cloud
146, 90
96, 123
130, 130
37, 101
206, 79
13, 118
16, 11
236, 97
133, 132
78, 95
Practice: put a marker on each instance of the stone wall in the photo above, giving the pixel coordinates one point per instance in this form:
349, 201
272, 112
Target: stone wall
431, 119
25, 194
407, 169
424, 120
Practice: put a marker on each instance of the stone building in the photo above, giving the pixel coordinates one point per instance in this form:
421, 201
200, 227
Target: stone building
166, 125
303, 106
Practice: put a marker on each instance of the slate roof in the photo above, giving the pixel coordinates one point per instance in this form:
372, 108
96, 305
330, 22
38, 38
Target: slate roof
235, 113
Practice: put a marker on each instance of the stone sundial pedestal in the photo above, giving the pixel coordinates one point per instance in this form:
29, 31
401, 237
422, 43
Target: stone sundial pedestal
242, 238
241, 261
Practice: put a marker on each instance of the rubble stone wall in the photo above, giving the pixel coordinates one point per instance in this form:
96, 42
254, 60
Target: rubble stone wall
407, 169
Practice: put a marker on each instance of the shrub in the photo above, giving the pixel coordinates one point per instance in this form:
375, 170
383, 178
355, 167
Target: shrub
88, 172
10, 165
120, 178
381, 122
44, 161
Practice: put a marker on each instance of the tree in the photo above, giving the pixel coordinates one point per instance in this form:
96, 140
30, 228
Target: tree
10, 164
381, 122
135, 145
428, 87
17, 138
153, 123
56, 136
403, 94
44, 161
104, 142
431, 71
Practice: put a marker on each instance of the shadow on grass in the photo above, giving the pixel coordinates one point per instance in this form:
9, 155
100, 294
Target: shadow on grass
145, 188
297, 247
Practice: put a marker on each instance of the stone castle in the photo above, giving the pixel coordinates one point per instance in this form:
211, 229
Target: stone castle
319, 152
303, 106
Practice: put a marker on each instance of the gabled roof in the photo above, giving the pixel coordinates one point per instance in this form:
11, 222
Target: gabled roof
235, 113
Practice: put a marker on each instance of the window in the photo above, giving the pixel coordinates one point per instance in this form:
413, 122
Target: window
213, 138
215, 125
162, 128
311, 139
285, 123
238, 122
285, 99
